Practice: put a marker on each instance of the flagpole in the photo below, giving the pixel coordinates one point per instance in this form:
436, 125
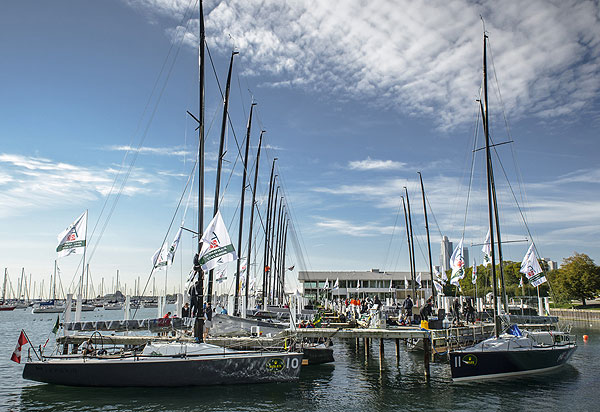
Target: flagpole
31, 344
84, 250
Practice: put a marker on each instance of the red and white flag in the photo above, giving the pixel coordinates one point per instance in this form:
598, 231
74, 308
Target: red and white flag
16, 356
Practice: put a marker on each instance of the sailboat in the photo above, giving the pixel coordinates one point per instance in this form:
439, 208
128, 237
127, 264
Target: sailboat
510, 352
3, 305
175, 363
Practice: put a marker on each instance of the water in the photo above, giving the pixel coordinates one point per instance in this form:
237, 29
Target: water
354, 382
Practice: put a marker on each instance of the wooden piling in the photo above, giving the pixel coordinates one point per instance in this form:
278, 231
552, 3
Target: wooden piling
381, 353
397, 351
426, 356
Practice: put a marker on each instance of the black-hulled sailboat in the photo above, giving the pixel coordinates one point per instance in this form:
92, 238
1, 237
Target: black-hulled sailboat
509, 352
168, 364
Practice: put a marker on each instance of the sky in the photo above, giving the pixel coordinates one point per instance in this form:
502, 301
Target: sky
355, 98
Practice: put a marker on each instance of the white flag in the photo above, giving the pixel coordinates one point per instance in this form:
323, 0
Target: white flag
437, 275
438, 286
221, 274
217, 248
531, 268
457, 263
72, 240
391, 286
326, 286
521, 282
474, 275
405, 283
159, 258
173, 248
358, 285
487, 249
336, 285
418, 280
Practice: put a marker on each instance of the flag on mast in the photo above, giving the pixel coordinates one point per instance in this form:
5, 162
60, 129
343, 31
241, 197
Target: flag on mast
173, 248
72, 240
532, 269
159, 258
521, 282
418, 280
487, 249
326, 286
358, 285
437, 275
457, 263
405, 283
217, 248
391, 286
438, 286
474, 275
336, 285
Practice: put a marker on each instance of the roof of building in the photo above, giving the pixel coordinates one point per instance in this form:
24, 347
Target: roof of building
373, 274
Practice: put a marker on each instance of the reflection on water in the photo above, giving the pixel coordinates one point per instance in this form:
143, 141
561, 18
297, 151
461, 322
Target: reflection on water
356, 381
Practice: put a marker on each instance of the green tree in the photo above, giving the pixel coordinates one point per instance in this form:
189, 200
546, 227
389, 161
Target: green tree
577, 278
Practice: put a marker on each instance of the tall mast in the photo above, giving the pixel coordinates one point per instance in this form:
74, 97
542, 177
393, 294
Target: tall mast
220, 163
252, 220
412, 276
199, 321
272, 244
283, 269
412, 244
489, 188
245, 173
267, 230
428, 239
501, 260
54, 284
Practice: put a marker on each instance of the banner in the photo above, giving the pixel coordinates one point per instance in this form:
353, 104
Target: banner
474, 275
72, 240
159, 258
217, 248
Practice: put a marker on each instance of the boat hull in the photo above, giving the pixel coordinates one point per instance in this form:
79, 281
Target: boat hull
475, 365
172, 372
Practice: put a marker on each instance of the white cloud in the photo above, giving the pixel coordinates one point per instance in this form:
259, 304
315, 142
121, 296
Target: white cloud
161, 151
353, 229
373, 164
422, 58
33, 183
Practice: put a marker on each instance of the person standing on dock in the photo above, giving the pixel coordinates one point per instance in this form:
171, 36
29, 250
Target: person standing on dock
456, 311
407, 307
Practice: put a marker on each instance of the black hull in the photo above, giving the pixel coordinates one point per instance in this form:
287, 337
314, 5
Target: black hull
172, 372
475, 365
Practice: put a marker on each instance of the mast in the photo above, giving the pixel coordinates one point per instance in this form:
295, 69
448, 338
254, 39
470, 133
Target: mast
272, 242
428, 239
489, 189
252, 219
4, 286
501, 260
283, 269
412, 244
408, 241
245, 164
199, 320
220, 164
276, 250
54, 284
267, 230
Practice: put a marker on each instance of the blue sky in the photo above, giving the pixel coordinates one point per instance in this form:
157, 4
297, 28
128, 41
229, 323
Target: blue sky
355, 97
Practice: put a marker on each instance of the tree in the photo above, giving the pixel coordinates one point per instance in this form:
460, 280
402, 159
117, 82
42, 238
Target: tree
578, 278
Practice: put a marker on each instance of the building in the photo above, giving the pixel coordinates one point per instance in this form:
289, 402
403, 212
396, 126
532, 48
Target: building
373, 282
468, 263
552, 265
445, 253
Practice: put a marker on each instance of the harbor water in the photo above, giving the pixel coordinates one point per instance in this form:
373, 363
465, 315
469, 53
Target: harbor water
355, 382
